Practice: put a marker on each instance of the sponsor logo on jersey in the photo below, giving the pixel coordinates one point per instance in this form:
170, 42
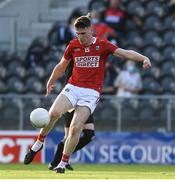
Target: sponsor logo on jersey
87, 61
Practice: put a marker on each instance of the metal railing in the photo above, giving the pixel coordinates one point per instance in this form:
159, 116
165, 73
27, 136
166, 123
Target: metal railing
140, 113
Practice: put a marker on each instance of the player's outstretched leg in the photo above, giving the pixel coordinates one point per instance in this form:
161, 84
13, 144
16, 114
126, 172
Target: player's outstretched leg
31, 153
38, 145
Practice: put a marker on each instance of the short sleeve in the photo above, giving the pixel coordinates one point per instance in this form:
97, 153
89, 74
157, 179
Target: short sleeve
68, 52
110, 47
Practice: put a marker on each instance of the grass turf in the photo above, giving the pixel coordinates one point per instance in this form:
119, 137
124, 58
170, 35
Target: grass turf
91, 171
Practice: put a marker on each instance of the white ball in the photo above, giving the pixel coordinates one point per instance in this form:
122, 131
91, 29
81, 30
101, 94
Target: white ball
39, 117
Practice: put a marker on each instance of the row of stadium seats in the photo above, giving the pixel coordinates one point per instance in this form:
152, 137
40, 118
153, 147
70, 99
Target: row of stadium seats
34, 85
16, 78
16, 69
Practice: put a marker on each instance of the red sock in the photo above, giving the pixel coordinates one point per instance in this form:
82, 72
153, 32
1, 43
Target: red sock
65, 158
41, 138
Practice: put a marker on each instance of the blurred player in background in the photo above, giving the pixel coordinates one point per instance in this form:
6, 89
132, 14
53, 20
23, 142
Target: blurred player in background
84, 86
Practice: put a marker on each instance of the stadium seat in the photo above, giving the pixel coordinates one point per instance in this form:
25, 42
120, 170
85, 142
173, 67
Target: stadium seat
38, 72
15, 85
140, 11
151, 86
11, 57
132, 5
154, 54
155, 8
130, 26
34, 85
135, 39
15, 68
169, 38
152, 38
168, 69
152, 23
169, 23
153, 72
169, 53
168, 85
49, 67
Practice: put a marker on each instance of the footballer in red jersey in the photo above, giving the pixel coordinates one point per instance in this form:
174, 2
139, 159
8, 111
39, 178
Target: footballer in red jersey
84, 86
89, 62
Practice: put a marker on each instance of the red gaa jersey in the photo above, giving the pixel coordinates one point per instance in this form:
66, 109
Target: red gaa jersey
89, 62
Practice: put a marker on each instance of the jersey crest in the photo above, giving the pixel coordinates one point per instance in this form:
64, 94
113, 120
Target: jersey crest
87, 49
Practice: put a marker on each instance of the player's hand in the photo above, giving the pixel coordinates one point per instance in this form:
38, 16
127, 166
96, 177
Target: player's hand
50, 87
146, 63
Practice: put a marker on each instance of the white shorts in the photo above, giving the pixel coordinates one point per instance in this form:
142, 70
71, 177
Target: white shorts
79, 96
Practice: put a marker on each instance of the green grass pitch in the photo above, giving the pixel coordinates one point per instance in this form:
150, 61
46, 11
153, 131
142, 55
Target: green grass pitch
88, 171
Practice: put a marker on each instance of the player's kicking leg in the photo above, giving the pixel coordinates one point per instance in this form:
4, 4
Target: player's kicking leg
60, 106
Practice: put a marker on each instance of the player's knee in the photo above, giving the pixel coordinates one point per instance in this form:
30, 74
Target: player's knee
54, 115
89, 134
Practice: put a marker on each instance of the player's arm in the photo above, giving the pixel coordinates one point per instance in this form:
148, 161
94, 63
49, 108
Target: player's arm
57, 72
134, 56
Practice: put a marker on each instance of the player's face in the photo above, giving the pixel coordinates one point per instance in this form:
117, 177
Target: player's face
84, 35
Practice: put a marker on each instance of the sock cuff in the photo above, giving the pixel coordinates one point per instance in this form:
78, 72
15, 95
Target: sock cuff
65, 158
41, 137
